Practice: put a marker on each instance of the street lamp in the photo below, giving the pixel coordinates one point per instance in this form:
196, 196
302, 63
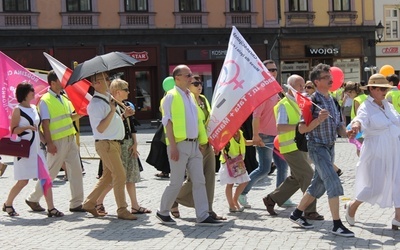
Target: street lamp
266, 48
379, 33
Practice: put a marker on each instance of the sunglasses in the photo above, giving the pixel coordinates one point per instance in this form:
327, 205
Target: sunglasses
187, 75
272, 70
309, 87
196, 84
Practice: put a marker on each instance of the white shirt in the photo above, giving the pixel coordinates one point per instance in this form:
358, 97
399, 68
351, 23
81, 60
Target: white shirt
97, 110
192, 130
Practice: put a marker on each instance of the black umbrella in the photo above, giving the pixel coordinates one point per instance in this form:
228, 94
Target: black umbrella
98, 64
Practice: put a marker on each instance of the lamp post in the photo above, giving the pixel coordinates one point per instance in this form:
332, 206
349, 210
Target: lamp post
266, 48
379, 34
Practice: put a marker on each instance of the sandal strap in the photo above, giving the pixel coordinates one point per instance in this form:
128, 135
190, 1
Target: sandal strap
56, 213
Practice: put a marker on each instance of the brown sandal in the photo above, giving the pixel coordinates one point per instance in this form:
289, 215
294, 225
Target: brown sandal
54, 212
141, 210
101, 210
12, 213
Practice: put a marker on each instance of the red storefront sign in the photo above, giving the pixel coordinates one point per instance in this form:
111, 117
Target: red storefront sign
141, 56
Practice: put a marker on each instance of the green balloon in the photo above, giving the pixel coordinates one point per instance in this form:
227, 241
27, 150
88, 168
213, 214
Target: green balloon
168, 83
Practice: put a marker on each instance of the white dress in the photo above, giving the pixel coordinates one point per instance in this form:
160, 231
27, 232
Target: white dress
378, 176
27, 168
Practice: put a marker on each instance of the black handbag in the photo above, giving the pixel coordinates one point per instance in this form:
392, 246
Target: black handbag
15, 148
300, 140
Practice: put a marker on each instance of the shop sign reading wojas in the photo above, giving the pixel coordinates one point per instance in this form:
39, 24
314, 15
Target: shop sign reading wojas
322, 50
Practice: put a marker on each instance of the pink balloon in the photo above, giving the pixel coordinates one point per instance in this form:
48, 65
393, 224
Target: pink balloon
337, 78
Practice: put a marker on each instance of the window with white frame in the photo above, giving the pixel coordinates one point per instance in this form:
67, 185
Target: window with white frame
391, 23
16, 5
136, 6
240, 5
190, 5
341, 5
79, 5
298, 5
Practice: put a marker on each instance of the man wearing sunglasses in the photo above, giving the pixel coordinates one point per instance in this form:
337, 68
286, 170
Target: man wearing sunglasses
185, 132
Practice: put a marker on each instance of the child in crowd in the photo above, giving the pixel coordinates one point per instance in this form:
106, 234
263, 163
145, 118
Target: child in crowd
229, 174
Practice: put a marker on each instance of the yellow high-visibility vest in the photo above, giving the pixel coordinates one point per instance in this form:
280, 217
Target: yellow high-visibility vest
286, 139
360, 99
178, 119
60, 116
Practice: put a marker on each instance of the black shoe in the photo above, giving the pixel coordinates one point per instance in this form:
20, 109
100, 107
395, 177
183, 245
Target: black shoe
166, 220
77, 209
301, 221
209, 222
273, 167
35, 206
342, 231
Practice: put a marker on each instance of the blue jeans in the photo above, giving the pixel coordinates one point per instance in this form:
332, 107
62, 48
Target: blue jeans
325, 178
265, 155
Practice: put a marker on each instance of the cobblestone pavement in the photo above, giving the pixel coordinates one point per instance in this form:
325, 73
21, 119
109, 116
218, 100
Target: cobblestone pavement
252, 229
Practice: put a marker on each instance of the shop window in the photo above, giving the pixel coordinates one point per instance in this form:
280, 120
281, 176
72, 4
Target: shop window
341, 5
191, 14
190, 5
79, 5
79, 14
298, 5
240, 5
143, 84
391, 23
136, 6
18, 14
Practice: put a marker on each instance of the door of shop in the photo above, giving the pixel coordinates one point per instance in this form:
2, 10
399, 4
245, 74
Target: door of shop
140, 89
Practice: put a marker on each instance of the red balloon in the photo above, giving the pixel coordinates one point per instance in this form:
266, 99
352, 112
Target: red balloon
337, 78
276, 142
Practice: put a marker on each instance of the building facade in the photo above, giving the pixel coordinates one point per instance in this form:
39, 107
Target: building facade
297, 34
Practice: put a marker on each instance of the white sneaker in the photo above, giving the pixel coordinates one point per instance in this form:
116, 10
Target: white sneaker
243, 201
350, 220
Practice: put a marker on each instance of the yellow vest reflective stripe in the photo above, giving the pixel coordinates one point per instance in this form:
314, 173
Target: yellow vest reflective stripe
360, 99
286, 139
60, 117
179, 120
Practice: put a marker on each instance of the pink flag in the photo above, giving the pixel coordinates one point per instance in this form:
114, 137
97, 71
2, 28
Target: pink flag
11, 74
44, 176
78, 92
243, 84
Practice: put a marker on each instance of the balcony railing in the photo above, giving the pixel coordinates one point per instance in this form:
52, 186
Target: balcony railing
191, 19
342, 18
138, 20
80, 20
241, 19
19, 20
294, 19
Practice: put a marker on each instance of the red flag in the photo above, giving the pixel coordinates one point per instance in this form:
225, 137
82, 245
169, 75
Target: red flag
305, 105
78, 92
11, 74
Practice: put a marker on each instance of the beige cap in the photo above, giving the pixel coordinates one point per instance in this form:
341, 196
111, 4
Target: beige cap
377, 80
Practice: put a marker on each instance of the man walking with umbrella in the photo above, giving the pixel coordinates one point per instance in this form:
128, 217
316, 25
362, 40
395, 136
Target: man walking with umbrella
108, 132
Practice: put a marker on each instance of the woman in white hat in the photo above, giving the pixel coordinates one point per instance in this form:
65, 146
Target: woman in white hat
378, 169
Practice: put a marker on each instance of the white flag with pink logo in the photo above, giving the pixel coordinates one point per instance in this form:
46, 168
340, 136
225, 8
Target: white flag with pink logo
243, 84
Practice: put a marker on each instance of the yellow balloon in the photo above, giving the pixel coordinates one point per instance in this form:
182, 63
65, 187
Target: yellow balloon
386, 70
